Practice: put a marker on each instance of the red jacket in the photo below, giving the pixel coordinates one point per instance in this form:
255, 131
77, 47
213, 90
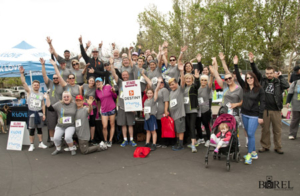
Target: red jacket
227, 136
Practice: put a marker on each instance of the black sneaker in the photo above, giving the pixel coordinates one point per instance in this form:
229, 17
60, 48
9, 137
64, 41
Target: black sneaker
147, 145
153, 147
177, 148
51, 145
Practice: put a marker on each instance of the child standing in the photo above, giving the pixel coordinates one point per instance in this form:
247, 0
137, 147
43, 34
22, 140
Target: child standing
222, 138
150, 110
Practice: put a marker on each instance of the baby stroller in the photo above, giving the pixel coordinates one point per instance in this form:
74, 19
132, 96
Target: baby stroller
233, 146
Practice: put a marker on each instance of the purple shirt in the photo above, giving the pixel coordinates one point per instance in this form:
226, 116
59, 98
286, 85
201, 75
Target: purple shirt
106, 96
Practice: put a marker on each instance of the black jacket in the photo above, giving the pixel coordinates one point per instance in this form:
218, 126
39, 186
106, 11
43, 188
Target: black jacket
193, 94
96, 64
280, 84
253, 102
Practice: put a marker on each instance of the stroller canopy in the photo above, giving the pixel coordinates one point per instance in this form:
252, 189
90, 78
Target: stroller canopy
229, 119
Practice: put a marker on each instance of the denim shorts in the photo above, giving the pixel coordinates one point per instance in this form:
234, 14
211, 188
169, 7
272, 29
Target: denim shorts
110, 113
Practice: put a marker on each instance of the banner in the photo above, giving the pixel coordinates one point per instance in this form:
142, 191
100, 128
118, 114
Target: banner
18, 136
39, 77
132, 95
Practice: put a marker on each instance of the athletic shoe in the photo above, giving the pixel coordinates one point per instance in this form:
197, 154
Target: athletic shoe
207, 143
178, 147
279, 151
67, 149
216, 150
103, 145
194, 150
190, 145
94, 143
263, 150
212, 141
291, 137
42, 145
124, 143
132, 143
254, 155
147, 145
248, 159
55, 152
158, 145
31, 148
153, 147
51, 145
109, 144
164, 146
200, 141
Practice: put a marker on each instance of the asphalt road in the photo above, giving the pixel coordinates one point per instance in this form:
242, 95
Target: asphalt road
163, 172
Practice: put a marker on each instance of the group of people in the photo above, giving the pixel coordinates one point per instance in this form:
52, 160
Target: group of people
170, 88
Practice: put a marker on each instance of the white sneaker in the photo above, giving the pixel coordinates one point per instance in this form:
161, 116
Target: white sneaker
201, 141
67, 149
103, 145
42, 145
31, 148
291, 137
207, 143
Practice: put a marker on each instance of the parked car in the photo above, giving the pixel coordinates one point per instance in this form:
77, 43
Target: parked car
19, 91
10, 101
8, 92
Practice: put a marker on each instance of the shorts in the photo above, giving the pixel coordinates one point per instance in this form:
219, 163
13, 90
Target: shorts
150, 124
92, 119
51, 119
179, 125
125, 118
110, 113
32, 125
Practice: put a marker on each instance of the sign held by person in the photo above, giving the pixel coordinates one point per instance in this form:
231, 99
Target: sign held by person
132, 95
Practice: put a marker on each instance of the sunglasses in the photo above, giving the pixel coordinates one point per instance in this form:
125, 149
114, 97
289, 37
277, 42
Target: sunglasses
71, 78
75, 64
228, 78
249, 78
172, 60
55, 78
95, 51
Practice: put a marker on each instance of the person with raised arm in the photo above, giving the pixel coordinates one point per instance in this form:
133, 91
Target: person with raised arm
252, 108
70, 86
67, 60
124, 119
55, 94
274, 85
36, 110
95, 67
127, 65
115, 54
79, 73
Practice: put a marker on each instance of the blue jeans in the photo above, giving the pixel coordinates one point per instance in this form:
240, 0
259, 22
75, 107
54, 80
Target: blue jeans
250, 124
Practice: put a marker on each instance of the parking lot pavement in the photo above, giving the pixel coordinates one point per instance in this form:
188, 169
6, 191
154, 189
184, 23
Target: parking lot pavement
163, 172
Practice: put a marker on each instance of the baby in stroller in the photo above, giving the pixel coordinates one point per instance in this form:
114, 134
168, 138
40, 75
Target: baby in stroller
222, 138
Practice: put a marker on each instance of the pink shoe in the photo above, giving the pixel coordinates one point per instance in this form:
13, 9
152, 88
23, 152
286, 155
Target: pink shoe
216, 150
212, 141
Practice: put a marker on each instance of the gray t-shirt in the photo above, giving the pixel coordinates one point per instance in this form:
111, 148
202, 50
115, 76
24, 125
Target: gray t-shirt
296, 95
137, 74
150, 108
130, 71
64, 73
120, 96
87, 91
235, 96
153, 75
55, 93
82, 124
187, 103
118, 63
78, 76
35, 100
66, 114
68, 62
176, 103
162, 97
171, 72
204, 94
74, 90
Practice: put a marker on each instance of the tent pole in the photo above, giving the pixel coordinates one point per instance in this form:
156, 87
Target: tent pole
30, 77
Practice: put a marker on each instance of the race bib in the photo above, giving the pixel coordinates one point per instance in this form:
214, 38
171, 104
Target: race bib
121, 95
36, 103
167, 78
147, 110
186, 100
154, 80
200, 100
78, 123
114, 82
67, 120
142, 79
173, 103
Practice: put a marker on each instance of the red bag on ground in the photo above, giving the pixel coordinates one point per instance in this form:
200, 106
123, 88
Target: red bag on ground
167, 127
141, 152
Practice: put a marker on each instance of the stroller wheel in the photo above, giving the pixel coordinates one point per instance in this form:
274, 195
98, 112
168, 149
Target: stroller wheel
215, 156
228, 166
219, 156
237, 157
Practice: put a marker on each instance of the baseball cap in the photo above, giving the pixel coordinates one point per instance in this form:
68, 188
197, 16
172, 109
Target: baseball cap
80, 97
99, 79
135, 53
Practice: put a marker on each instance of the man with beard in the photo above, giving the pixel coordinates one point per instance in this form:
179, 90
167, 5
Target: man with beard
55, 94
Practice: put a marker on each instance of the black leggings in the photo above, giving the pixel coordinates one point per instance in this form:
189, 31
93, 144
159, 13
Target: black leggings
190, 121
39, 131
92, 120
205, 120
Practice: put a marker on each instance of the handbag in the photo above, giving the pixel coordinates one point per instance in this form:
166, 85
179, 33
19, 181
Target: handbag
167, 127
